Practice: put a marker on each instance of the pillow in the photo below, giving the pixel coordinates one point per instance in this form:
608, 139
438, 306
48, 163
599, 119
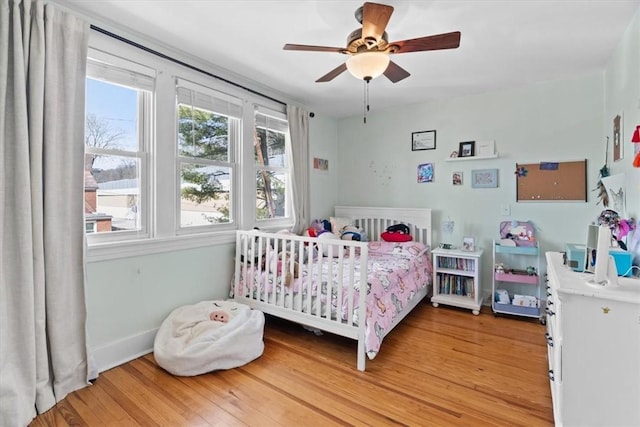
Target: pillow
402, 249
338, 223
325, 248
392, 236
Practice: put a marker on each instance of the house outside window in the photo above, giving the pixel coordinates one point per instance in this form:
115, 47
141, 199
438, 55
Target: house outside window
118, 114
208, 137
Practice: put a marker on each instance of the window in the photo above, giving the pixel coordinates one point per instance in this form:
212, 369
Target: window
118, 114
271, 164
208, 136
175, 158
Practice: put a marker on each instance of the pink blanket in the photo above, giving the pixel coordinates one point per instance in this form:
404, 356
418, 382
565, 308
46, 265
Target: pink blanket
396, 271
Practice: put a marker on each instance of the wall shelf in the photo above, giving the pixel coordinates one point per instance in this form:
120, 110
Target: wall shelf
462, 159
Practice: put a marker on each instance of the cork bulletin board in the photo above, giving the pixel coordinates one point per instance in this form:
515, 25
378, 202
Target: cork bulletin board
552, 181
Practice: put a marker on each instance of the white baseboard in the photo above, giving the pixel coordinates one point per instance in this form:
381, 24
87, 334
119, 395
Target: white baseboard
116, 353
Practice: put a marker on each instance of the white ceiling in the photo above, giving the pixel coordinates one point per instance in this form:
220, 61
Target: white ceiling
505, 43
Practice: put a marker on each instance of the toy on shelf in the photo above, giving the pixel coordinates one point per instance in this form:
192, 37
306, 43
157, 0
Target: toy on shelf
517, 233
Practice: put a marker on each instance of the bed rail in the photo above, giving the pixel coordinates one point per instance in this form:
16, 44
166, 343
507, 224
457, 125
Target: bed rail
275, 272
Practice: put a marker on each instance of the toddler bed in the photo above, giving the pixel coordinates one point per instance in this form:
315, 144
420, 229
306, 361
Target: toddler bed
317, 281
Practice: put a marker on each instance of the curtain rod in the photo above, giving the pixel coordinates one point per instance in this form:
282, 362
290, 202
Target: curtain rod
179, 62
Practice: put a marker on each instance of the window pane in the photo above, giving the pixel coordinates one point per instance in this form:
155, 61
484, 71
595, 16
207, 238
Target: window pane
112, 116
112, 192
202, 134
271, 191
270, 148
204, 194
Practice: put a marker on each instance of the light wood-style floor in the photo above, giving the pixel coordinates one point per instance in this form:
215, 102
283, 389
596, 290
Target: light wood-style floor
440, 367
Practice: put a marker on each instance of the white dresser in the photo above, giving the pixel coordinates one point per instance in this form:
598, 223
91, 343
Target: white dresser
593, 336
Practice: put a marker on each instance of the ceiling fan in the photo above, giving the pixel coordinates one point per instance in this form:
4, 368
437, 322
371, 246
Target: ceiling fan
369, 48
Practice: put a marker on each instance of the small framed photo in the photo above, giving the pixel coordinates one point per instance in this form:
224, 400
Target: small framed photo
320, 164
425, 172
467, 149
456, 178
468, 243
484, 178
485, 148
424, 140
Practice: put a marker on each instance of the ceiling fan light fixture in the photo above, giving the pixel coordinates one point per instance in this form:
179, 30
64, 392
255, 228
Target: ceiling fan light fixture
368, 65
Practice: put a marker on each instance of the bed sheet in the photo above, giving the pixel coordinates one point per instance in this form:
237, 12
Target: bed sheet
396, 271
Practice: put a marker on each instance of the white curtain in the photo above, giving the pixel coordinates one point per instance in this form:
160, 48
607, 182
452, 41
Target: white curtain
299, 131
43, 352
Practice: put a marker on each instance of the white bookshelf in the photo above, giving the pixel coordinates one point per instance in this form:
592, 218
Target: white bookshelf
456, 278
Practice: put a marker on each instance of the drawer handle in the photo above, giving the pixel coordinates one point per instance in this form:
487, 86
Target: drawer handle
551, 376
549, 312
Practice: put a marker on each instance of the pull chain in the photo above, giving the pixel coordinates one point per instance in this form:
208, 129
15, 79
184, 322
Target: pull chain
366, 97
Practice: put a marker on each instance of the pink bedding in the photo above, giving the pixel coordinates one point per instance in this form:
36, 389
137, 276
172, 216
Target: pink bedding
396, 270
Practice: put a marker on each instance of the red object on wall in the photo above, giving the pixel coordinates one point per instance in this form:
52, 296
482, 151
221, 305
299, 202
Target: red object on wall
636, 135
636, 138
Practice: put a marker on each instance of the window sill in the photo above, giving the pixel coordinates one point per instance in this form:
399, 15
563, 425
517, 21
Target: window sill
117, 250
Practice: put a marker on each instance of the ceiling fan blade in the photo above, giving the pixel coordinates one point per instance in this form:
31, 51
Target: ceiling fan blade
375, 18
333, 73
309, 48
395, 73
437, 42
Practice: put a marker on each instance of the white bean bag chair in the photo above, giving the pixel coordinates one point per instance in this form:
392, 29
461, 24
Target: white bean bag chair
208, 336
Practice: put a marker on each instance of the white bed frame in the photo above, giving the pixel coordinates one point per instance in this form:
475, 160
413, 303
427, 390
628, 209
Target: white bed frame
254, 244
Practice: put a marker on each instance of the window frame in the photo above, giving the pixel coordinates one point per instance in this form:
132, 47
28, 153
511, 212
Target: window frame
135, 77
163, 177
287, 218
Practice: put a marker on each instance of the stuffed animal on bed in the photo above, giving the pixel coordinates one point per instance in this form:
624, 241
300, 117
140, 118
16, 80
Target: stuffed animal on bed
277, 265
397, 233
351, 232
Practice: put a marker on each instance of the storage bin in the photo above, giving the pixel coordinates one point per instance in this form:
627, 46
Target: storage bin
576, 255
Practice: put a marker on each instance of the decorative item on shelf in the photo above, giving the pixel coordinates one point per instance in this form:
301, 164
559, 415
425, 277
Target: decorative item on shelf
636, 140
447, 231
620, 227
424, 140
468, 243
453, 154
603, 173
467, 149
485, 148
425, 172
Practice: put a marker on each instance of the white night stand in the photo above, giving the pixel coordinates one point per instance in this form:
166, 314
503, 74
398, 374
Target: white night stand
456, 278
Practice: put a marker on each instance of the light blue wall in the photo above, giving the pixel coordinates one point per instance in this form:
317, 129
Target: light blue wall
323, 144
546, 122
622, 97
128, 298
373, 164
552, 121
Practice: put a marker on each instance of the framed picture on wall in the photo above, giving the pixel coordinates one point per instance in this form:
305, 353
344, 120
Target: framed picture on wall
456, 178
424, 140
467, 149
425, 172
484, 178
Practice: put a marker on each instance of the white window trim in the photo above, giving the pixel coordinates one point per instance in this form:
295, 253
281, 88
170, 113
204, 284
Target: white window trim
163, 232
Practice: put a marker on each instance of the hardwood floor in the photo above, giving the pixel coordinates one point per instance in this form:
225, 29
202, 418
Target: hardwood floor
440, 367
